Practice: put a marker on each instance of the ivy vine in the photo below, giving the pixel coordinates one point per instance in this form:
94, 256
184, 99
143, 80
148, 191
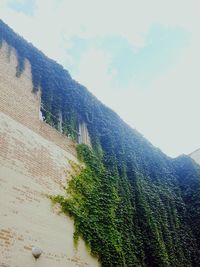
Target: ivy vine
133, 205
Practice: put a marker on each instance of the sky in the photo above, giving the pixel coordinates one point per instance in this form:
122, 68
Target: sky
139, 57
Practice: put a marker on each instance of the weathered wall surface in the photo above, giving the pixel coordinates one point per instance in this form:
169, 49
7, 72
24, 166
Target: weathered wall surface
83, 134
34, 158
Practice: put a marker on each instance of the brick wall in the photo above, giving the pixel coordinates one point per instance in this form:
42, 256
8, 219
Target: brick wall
34, 161
17, 101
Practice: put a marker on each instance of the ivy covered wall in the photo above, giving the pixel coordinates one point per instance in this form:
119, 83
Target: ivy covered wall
133, 205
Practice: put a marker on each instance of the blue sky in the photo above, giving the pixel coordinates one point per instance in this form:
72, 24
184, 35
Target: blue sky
139, 57
26, 7
162, 49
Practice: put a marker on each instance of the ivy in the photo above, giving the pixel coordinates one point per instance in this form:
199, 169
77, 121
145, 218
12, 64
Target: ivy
50, 77
123, 223
133, 205
94, 199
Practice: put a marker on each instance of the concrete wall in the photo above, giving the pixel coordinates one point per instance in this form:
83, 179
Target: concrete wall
84, 137
34, 161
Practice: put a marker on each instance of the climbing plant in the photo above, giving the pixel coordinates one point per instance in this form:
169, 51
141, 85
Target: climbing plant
133, 205
94, 197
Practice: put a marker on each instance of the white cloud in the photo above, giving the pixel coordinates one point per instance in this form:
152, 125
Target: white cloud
94, 72
3, 3
55, 21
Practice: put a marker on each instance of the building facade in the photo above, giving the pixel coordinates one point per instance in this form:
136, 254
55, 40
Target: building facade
35, 160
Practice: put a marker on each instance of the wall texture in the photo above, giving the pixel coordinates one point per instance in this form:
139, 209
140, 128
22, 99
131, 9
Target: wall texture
34, 161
